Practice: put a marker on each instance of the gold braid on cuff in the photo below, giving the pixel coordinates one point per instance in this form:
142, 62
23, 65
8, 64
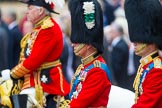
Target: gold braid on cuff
19, 71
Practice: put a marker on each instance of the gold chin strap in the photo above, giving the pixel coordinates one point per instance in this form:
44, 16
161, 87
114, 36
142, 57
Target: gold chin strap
137, 81
141, 47
78, 48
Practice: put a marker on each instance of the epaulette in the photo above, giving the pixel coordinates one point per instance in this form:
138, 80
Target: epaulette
47, 24
157, 63
103, 66
97, 63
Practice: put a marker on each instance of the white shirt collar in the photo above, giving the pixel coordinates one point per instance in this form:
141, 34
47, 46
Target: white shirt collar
12, 25
115, 41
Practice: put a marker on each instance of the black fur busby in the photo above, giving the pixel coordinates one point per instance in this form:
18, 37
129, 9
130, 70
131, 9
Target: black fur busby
48, 4
144, 21
87, 23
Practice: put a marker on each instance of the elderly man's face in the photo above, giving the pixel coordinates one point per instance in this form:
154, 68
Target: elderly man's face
33, 13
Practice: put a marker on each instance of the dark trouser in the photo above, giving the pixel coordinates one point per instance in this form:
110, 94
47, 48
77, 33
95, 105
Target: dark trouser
2, 106
19, 101
51, 101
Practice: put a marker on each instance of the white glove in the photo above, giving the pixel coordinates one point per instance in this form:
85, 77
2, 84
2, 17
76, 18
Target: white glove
5, 75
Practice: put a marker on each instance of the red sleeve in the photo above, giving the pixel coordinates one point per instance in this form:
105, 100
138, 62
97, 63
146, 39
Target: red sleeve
152, 91
94, 85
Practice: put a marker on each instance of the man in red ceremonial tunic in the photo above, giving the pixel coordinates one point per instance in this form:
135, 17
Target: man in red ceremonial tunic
39, 64
144, 21
91, 83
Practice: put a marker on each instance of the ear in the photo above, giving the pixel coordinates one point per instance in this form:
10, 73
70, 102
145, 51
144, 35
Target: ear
41, 10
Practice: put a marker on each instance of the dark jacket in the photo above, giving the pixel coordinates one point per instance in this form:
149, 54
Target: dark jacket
119, 62
3, 48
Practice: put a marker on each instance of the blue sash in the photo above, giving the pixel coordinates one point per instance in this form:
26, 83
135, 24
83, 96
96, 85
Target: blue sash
144, 73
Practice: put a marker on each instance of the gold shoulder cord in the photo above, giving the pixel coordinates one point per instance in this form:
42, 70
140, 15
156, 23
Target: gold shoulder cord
23, 44
136, 82
76, 73
38, 88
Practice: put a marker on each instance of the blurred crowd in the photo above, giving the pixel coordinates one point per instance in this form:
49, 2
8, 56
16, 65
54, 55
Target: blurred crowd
118, 50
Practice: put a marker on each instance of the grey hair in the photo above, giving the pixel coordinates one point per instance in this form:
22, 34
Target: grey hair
12, 14
118, 28
46, 11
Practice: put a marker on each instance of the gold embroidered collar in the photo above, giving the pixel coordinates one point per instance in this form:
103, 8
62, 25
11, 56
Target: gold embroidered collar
39, 23
89, 58
149, 58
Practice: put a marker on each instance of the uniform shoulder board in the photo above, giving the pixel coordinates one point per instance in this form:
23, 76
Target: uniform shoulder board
157, 63
47, 24
97, 63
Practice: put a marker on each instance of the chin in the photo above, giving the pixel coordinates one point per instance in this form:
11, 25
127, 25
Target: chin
77, 54
137, 53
